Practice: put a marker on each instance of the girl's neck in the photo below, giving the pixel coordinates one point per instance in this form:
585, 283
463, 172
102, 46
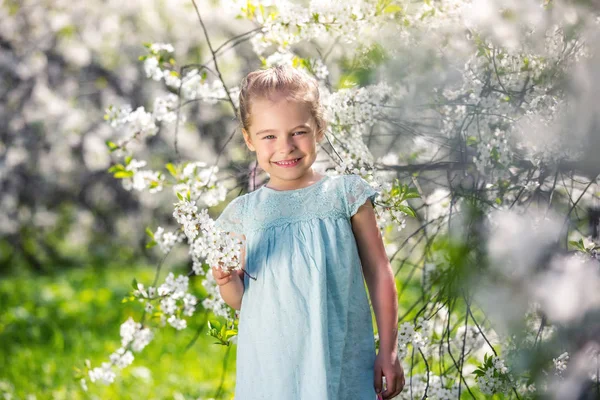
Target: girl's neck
308, 179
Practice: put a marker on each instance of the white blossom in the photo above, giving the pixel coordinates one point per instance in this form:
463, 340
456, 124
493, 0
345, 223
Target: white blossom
560, 363
166, 240
152, 69
177, 323
121, 358
103, 374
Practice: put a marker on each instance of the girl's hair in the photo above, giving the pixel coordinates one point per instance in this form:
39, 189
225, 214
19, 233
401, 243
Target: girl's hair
276, 81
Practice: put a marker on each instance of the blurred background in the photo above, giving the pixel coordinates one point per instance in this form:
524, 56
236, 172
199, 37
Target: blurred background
71, 237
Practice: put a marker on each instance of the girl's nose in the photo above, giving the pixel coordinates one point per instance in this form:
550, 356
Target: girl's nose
286, 145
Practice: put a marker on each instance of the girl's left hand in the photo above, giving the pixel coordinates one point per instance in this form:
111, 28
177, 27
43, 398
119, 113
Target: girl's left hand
389, 366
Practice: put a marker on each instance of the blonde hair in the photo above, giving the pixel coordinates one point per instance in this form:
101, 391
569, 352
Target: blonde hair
280, 80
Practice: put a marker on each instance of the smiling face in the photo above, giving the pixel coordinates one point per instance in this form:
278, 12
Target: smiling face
284, 135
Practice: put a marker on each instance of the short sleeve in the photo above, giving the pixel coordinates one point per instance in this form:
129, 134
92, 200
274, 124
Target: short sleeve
232, 217
357, 191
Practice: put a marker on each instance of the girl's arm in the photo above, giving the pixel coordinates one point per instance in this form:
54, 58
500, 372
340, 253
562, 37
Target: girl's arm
233, 290
384, 297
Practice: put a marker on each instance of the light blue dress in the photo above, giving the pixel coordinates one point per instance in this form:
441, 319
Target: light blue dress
305, 328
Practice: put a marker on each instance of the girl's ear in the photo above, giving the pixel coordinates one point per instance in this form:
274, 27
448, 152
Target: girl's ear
321, 133
248, 140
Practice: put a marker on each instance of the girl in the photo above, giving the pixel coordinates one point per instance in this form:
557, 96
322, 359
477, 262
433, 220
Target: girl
305, 328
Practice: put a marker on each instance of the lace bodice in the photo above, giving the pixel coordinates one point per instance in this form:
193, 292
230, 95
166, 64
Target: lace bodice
330, 197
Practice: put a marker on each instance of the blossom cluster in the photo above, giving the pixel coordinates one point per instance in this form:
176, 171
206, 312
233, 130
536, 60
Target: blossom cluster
202, 183
437, 387
358, 106
133, 337
206, 241
193, 85
174, 302
416, 334
289, 23
560, 363
132, 124
495, 377
167, 240
288, 58
142, 179
351, 114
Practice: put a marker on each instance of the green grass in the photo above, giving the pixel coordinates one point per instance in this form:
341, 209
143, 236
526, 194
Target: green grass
50, 325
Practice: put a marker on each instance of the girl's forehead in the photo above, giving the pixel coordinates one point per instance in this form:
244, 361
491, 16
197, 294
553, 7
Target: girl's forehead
281, 113
280, 101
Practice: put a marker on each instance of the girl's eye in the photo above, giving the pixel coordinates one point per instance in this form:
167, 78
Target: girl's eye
300, 132
268, 136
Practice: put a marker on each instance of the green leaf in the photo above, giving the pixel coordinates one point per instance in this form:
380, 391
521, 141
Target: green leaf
123, 174
348, 81
111, 145
179, 196
407, 210
392, 9
472, 141
171, 168
116, 168
151, 244
412, 195
128, 159
67, 31
188, 195
134, 283
149, 232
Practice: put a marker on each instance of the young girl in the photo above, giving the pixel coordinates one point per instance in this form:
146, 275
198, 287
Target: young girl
305, 328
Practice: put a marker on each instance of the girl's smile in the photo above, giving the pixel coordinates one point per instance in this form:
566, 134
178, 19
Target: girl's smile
287, 163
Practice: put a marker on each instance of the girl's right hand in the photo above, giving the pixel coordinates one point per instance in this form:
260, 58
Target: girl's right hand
223, 277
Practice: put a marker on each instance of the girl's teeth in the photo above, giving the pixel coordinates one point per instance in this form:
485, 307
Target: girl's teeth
288, 162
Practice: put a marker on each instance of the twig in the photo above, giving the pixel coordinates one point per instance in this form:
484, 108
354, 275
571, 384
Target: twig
427, 369
198, 332
225, 360
214, 57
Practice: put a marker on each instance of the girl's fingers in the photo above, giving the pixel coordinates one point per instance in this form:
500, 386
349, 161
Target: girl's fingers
399, 385
377, 382
219, 273
223, 281
390, 390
